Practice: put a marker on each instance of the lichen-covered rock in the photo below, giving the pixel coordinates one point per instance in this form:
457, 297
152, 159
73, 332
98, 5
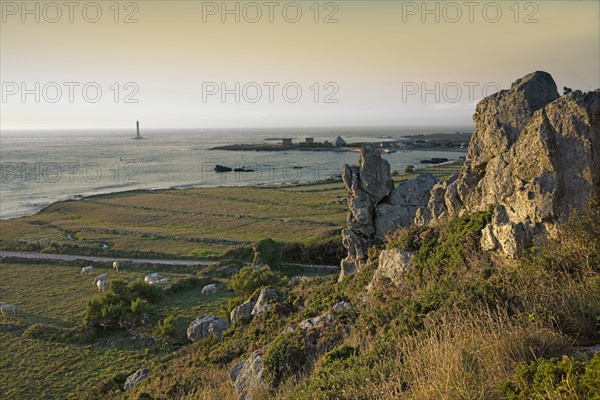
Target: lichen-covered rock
135, 378
247, 376
367, 185
205, 326
243, 312
266, 299
534, 156
393, 263
401, 206
375, 176
500, 117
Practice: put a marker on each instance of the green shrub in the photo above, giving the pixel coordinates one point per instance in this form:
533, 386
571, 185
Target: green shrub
123, 302
139, 306
186, 284
267, 251
249, 279
285, 357
143, 290
554, 379
340, 353
166, 328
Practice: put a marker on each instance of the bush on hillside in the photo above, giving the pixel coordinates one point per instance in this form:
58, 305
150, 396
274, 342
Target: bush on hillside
285, 357
166, 328
249, 279
556, 379
122, 303
267, 251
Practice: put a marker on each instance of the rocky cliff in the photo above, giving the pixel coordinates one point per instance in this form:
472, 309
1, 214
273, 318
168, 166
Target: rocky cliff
534, 157
376, 207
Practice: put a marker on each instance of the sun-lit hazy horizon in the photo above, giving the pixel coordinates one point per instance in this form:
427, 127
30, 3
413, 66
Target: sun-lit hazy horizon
184, 64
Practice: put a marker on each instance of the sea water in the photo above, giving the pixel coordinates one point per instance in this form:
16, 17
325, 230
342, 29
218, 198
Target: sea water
38, 168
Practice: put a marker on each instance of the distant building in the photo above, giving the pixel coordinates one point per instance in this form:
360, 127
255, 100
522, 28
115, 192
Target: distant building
339, 142
137, 125
286, 142
310, 140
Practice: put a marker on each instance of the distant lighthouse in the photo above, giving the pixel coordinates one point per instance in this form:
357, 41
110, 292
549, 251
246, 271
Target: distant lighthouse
138, 136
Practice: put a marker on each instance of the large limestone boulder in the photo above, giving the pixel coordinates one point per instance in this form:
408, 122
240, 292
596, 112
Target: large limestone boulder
367, 185
135, 378
266, 299
534, 156
401, 206
500, 117
247, 376
375, 175
205, 326
242, 313
393, 263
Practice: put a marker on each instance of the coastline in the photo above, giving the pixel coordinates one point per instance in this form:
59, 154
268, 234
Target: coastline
266, 185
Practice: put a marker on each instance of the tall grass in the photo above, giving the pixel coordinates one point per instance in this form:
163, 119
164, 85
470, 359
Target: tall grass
466, 357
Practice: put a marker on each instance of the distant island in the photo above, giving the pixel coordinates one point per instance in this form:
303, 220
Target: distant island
436, 141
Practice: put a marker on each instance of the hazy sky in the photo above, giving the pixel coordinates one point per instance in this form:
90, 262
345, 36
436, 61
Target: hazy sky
304, 63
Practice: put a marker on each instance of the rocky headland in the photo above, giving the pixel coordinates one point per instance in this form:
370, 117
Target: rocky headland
534, 158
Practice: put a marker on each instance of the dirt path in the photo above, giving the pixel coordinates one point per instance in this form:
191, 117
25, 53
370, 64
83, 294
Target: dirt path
95, 259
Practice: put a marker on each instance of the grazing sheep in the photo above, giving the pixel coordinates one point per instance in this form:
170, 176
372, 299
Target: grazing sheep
116, 266
209, 289
100, 278
164, 281
151, 278
87, 269
101, 286
8, 309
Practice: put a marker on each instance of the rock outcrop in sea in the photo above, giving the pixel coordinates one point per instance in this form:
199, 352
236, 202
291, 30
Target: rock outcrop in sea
534, 158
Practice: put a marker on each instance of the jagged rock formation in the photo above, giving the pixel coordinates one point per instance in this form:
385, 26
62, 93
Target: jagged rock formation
376, 208
243, 312
534, 157
205, 326
266, 299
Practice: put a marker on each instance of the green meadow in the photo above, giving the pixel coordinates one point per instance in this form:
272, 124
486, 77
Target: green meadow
47, 352
199, 223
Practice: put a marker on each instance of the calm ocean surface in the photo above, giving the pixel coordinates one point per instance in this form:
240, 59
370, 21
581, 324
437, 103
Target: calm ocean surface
38, 168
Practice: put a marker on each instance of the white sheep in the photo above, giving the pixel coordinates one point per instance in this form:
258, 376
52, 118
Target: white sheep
8, 309
164, 281
100, 278
151, 278
209, 289
87, 269
116, 266
101, 286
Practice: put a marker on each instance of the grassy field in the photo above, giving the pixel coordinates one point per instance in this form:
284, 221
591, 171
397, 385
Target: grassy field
54, 295
47, 342
197, 223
